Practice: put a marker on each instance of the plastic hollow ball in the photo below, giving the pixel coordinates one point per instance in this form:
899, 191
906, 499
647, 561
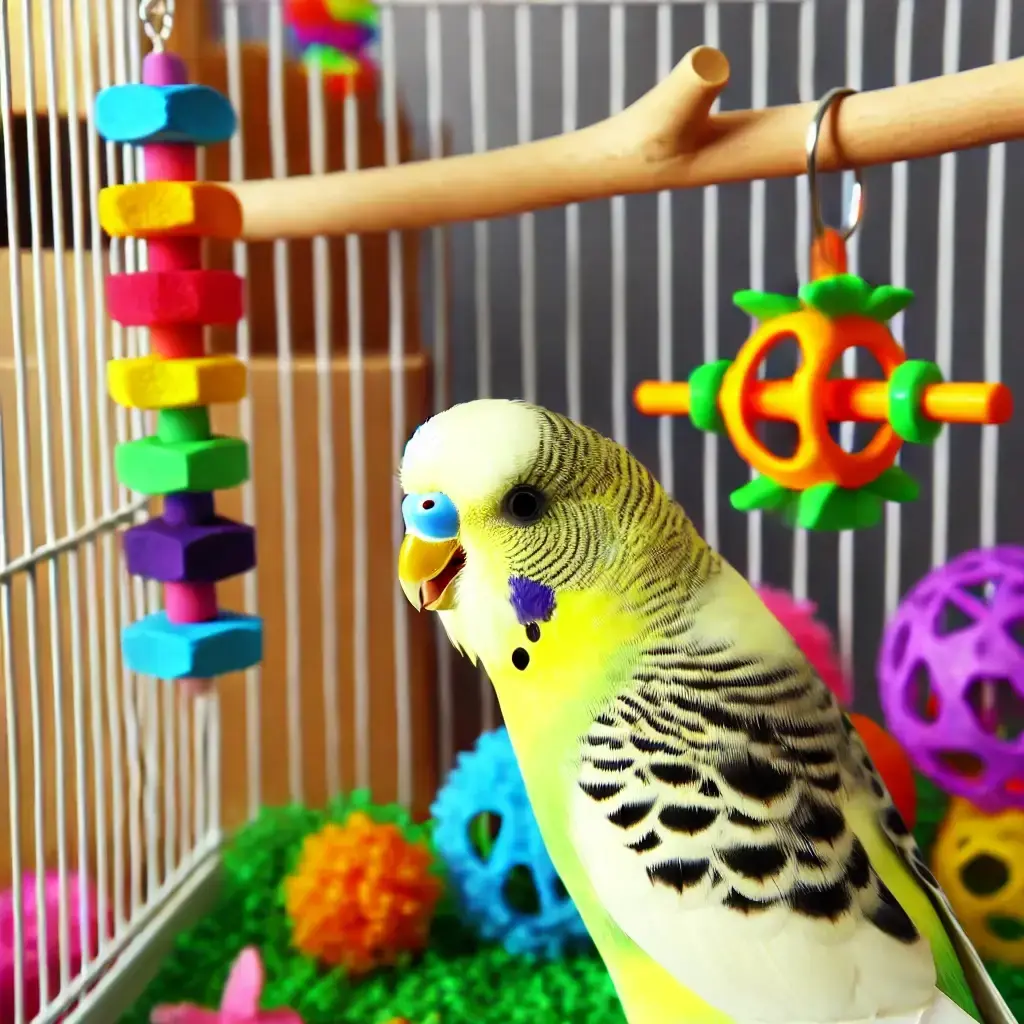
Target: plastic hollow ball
361, 895
486, 834
31, 920
812, 636
979, 861
892, 763
951, 676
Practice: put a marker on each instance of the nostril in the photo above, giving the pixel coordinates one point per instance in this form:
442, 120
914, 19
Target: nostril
428, 504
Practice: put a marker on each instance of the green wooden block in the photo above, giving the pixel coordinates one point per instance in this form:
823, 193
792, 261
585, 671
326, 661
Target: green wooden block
191, 424
152, 466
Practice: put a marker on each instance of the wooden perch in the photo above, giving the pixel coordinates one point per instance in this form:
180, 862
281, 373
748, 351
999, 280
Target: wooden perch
665, 140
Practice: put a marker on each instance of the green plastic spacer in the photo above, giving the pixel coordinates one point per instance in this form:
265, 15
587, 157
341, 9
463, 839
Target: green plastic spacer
193, 424
705, 383
907, 385
760, 493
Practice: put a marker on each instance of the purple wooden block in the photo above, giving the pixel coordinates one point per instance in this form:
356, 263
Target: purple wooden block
190, 553
191, 508
164, 69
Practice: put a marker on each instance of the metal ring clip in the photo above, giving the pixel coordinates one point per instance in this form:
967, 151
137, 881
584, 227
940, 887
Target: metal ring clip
157, 17
856, 212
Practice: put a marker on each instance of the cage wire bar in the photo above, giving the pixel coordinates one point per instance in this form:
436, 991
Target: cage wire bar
140, 763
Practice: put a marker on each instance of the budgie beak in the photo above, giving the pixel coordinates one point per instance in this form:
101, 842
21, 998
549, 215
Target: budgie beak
430, 557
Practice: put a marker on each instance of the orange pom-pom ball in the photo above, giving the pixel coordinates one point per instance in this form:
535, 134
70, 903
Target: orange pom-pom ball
361, 895
892, 764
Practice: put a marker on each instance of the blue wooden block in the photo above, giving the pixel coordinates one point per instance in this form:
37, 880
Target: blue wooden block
136, 114
154, 646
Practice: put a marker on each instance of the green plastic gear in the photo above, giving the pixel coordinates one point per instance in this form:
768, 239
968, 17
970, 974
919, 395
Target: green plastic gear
705, 383
829, 507
907, 385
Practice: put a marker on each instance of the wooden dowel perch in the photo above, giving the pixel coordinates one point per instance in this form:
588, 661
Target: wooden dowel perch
666, 140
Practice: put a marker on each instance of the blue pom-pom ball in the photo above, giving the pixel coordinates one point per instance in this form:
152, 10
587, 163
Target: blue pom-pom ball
486, 834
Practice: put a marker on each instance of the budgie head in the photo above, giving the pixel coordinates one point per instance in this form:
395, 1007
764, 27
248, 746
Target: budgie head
513, 512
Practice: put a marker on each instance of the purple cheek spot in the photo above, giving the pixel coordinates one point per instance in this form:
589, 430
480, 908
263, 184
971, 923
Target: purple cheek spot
533, 601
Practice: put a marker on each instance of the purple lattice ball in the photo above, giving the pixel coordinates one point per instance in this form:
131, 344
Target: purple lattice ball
951, 676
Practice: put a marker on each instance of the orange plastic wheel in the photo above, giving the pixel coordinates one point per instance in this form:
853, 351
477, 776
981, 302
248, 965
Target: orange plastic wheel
817, 459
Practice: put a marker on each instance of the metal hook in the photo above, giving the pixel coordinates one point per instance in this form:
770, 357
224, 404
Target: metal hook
856, 196
157, 17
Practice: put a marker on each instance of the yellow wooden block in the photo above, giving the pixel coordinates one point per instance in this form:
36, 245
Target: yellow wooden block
155, 383
162, 209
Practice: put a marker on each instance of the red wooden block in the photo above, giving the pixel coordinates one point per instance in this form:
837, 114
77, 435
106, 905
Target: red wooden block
164, 298
182, 342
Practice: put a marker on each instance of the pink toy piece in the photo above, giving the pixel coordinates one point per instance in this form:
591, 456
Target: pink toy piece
812, 636
190, 602
240, 1003
30, 987
170, 161
163, 68
184, 341
175, 297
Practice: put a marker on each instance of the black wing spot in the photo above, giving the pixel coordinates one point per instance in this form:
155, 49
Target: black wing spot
829, 901
688, 820
629, 815
709, 789
756, 861
603, 741
601, 790
648, 841
894, 822
678, 874
649, 746
858, 867
829, 783
756, 779
744, 820
876, 786
810, 859
675, 773
737, 901
821, 822
891, 918
614, 764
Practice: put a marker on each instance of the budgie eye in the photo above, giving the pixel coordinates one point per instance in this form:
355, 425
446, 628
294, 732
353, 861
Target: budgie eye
523, 505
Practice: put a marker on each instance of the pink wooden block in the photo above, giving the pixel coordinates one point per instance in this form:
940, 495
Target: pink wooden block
164, 68
177, 342
170, 161
190, 602
167, 298
175, 253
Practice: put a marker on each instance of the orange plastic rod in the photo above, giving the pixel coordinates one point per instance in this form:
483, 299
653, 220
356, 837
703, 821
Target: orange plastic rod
860, 401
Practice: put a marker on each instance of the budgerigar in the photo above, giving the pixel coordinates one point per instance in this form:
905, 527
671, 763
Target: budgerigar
731, 848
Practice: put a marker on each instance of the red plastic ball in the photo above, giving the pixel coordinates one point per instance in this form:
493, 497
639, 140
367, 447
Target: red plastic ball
892, 764
308, 14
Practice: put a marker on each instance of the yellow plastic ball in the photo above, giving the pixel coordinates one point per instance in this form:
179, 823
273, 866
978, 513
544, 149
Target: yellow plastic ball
979, 862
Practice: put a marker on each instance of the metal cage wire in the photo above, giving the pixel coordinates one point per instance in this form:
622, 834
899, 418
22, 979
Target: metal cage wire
129, 796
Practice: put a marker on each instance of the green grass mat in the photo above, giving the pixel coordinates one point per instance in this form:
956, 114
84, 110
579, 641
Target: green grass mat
459, 980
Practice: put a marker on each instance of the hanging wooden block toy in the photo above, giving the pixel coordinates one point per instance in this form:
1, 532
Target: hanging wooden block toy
821, 486
189, 549
336, 36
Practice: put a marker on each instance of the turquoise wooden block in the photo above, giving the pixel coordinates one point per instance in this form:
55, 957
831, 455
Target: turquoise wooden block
136, 114
155, 646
